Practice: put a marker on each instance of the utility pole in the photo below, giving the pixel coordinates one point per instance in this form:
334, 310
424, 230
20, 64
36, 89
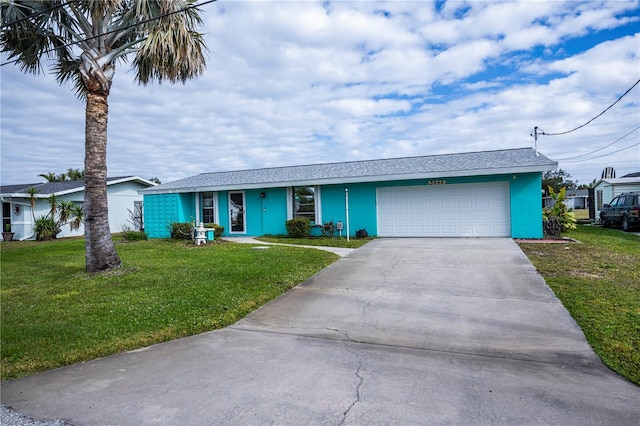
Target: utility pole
536, 131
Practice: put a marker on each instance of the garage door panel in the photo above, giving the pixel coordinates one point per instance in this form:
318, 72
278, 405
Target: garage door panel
467, 210
480, 203
466, 216
466, 203
448, 229
431, 217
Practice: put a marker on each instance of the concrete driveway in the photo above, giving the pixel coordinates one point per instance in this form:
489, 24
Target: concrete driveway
401, 331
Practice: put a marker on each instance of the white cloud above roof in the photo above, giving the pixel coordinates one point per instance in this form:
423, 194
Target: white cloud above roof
300, 82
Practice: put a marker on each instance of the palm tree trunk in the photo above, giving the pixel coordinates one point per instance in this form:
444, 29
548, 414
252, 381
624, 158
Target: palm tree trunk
100, 251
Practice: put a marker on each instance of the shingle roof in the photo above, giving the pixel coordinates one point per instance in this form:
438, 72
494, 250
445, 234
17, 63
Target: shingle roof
48, 188
507, 161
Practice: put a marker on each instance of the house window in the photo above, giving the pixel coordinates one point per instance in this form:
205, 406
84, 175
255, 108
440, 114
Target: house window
6, 215
304, 202
136, 217
208, 208
599, 199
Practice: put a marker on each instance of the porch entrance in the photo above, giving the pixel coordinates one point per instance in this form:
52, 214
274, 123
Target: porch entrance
237, 213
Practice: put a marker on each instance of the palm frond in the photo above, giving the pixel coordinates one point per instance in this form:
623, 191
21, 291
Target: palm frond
31, 32
173, 49
68, 70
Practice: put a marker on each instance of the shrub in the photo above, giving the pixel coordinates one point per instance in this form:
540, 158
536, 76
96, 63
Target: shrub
130, 235
362, 233
298, 228
181, 230
560, 210
328, 229
46, 228
61, 213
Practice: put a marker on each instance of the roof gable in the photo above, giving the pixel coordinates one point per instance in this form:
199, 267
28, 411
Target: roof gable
448, 165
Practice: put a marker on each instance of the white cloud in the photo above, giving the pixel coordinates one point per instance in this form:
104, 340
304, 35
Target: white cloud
307, 82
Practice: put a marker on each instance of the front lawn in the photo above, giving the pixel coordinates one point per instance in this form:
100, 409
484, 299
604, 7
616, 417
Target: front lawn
598, 281
54, 314
316, 241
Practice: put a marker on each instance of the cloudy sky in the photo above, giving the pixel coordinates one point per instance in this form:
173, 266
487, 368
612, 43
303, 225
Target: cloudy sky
300, 82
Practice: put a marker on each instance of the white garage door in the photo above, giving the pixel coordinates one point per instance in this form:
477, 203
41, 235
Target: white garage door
469, 210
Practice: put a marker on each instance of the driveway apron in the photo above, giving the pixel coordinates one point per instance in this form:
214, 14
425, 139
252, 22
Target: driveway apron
401, 331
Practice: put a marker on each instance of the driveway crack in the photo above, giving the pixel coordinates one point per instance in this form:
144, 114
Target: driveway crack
366, 306
360, 380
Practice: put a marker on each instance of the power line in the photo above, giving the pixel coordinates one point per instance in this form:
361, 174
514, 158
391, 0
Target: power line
537, 131
193, 6
604, 155
599, 149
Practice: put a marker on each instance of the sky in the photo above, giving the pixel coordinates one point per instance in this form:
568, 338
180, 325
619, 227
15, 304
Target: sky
305, 82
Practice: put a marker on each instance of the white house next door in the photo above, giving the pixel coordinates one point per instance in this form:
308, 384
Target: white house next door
237, 213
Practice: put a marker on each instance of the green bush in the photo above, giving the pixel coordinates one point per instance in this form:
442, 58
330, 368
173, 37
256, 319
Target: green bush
46, 228
298, 228
181, 230
130, 235
560, 210
218, 229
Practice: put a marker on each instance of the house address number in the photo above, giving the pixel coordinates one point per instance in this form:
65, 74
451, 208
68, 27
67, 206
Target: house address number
437, 182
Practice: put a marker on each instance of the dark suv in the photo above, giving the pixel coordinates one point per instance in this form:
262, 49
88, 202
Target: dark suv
623, 210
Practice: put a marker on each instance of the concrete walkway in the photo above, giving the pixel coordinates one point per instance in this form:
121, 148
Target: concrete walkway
342, 252
401, 331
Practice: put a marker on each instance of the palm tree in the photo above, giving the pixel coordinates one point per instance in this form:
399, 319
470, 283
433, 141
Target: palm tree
75, 174
49, 177
85, 39
32, 201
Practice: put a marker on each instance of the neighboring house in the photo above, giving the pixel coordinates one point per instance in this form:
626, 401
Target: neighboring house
574, 199
606, 189
122, 194
478, 194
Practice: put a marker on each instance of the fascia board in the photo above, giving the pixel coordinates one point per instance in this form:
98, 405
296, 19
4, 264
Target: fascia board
40, 196
131, 179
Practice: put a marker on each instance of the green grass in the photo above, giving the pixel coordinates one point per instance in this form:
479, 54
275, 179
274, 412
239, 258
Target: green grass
581, 213
54, 314
316, 241
598, 281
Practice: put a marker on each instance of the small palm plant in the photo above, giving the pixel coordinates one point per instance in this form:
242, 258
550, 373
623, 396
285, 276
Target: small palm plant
560, 210
61, 213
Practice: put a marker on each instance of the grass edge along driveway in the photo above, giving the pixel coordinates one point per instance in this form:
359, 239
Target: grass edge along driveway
55, 314
598, 281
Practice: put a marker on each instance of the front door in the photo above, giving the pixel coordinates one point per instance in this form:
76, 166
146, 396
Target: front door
237, 213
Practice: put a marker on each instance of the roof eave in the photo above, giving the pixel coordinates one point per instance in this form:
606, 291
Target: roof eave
81, 188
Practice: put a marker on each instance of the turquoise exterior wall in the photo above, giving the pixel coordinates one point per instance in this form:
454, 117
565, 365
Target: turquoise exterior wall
160, 210
362, 206
268, 215
526, 206
274, 211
